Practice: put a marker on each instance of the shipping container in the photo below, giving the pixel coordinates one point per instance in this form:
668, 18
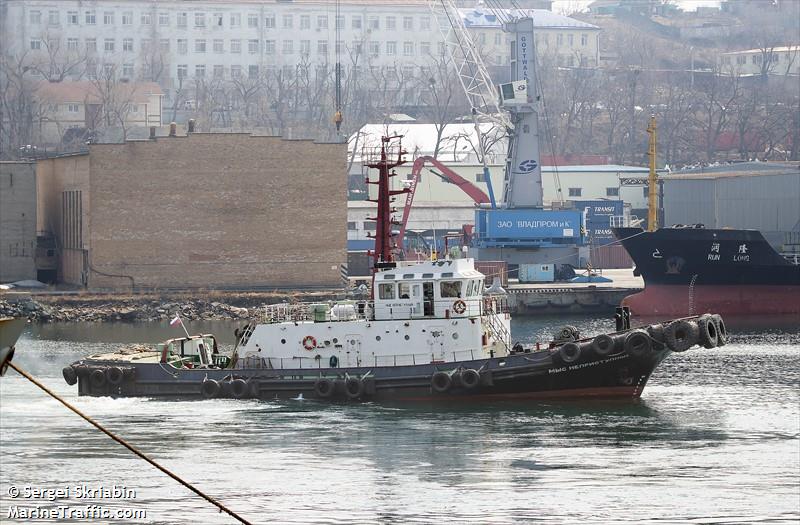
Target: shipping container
492, 269
536, 273
599, 210
609, 257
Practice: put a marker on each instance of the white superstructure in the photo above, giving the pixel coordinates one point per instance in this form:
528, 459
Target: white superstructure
433, 311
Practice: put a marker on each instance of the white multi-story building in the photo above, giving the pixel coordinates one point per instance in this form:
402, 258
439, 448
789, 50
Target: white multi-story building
169, 40
782, 60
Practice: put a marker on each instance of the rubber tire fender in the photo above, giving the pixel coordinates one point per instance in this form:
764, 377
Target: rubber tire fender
569, 352
114, 375
681, 335
239, 388
97, 377
708, 331
568, 332
469, 378
354, 387
70, 375
441, 382
603, 344
656, 332
324, 388
722, 331
638, 344
210, 388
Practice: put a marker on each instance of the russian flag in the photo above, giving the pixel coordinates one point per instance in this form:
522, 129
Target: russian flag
176, 321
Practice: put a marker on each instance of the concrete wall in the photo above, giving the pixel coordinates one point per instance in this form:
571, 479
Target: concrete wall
217, 210
17, 221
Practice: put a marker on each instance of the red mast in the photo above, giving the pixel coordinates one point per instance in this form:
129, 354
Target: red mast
385, 245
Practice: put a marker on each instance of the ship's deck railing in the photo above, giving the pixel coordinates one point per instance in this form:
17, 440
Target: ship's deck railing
312, 362
367, 310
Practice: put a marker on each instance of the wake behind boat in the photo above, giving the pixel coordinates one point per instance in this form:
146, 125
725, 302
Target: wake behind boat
431, 331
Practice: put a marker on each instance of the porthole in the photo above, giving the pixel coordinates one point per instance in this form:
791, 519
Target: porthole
377, 338
335, 340
283, 341
406, 337
455, 335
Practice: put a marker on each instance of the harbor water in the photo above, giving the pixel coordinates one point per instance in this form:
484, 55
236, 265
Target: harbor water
715, 438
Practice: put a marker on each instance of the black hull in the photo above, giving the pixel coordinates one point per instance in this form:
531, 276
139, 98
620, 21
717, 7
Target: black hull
541, 374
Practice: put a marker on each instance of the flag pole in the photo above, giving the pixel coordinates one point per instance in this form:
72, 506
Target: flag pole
183, 326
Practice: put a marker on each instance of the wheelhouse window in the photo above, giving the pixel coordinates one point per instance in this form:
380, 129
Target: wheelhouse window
386, 291
450, 289
404, 290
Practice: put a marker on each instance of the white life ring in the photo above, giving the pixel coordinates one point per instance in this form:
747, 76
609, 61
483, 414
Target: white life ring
309, 342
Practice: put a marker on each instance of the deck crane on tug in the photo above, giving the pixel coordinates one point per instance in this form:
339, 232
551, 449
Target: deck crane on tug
520, 229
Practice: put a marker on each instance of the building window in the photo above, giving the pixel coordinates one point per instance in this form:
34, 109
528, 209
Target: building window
163, 45
269, 47
91, 18
322, 22
108, 71
575, 192
199, 20
584, 40
374, 48
373, 22
560, 39
408, 23
146, 19
183, 46
163, 19
127, 70
339, 22
408, 49
479, 177
108, 18
252, 46
440, 48
72, 18
322, 48
305, 22
127, 45
356, 22
236, 46
72, 108
425, 48
612, 192
252, 72
53, 18
235, 19
72, 44
391, 22
252, 20
183, 70
357, 47
36, 44
35, 17
91, 45
391, 48
219, 71
305, 47
351, 226
236, 71
288, 47
183, 20
200, 71
269, 21
288, 21
570, 39
200, 46
108, 45
145, 45
216, 19
425, 23
218, 46
127, 18
339, 46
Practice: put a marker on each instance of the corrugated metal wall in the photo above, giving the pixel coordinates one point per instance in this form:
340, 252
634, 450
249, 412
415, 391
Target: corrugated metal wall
770, 203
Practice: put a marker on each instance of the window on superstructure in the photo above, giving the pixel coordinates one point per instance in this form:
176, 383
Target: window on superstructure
404, 290
35, 17
450, 289
386, 291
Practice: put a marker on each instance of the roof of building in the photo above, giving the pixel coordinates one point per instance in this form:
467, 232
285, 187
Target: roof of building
85, 91
483, 17
736, 169
779, 49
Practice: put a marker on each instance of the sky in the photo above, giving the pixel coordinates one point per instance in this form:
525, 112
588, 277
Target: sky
686, 5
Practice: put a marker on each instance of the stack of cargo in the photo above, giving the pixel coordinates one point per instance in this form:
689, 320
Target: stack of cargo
604, 251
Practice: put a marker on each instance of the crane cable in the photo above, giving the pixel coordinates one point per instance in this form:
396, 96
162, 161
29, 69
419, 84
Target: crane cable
130, 447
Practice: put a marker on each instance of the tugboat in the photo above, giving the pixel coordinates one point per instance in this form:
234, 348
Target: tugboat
431, 331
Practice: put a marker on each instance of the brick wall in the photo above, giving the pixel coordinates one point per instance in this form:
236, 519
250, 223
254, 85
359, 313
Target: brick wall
217, 210
17, 221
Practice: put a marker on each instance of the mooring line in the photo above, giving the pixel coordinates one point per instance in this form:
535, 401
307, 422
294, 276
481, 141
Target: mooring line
130, 447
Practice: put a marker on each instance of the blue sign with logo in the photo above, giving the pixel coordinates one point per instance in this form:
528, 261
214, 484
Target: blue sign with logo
527, 166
